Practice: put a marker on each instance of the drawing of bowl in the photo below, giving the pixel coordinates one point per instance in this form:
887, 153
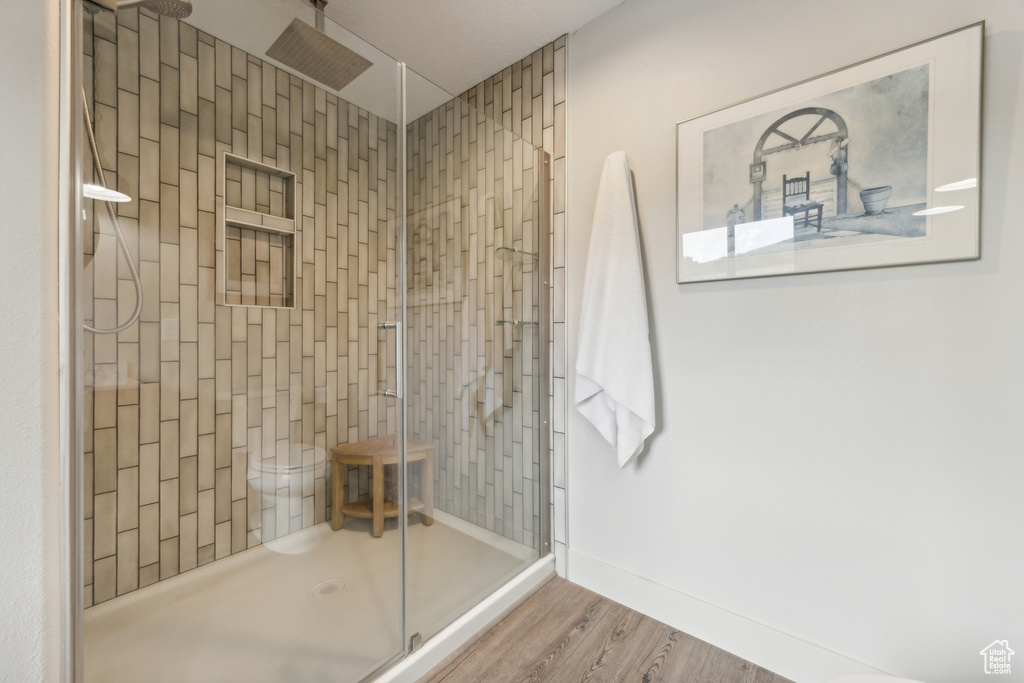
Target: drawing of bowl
874, 199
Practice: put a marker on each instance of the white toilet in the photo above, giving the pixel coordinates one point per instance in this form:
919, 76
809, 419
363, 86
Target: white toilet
281, 486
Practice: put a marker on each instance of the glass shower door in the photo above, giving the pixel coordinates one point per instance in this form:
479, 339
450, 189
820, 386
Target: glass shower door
262, 231
476, 245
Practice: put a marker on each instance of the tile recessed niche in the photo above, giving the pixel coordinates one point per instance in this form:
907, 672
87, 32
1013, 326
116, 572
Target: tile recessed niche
257, 234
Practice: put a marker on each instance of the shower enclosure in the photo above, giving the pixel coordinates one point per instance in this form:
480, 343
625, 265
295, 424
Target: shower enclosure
313, 389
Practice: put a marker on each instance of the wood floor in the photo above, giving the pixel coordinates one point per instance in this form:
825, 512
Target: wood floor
565, 633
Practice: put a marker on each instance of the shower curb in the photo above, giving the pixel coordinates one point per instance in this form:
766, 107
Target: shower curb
461, 631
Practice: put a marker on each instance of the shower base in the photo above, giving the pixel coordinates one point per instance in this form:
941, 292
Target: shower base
326, 607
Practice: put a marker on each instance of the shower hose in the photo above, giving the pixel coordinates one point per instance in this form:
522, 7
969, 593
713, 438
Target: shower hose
112, 212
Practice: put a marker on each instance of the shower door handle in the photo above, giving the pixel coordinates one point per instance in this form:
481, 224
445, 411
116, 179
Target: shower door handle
399, 358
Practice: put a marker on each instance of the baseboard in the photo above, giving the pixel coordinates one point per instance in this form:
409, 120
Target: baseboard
782, 653
454, 637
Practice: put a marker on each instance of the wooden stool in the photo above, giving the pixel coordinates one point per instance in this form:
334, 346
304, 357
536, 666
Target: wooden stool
377, 453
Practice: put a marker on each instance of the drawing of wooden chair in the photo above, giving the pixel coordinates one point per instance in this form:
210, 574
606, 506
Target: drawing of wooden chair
796, 200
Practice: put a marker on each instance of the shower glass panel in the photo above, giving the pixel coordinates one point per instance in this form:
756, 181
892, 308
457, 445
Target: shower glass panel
263, 225
476, 246
315, 382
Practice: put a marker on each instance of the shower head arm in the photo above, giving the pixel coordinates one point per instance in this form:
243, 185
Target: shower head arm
320, 6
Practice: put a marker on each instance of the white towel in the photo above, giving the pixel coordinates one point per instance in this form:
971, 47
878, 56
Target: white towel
614, 379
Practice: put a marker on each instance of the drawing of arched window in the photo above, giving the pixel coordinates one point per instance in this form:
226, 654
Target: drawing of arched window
794, 131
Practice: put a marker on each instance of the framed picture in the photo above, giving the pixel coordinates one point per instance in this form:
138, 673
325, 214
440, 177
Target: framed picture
873, 165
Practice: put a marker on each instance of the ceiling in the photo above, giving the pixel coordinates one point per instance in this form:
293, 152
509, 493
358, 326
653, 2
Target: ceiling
458, 43
450, 45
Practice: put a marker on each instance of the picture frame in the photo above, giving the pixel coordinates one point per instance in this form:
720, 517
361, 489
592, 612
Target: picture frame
873, 165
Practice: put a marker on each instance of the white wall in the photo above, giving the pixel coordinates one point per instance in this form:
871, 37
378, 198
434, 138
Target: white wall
30, 480
835, 484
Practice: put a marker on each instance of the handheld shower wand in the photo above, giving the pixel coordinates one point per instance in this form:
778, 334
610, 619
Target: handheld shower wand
112, 213
178, 9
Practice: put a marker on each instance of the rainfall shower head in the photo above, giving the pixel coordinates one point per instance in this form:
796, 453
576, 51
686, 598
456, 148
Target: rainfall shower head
179, 9
320, 57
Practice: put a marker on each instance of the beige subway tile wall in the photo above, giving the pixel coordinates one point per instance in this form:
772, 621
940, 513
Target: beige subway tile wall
474, 374
528, 98
474, 230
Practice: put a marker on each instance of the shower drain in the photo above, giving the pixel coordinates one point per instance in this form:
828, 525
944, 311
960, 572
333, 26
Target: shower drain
326, 589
